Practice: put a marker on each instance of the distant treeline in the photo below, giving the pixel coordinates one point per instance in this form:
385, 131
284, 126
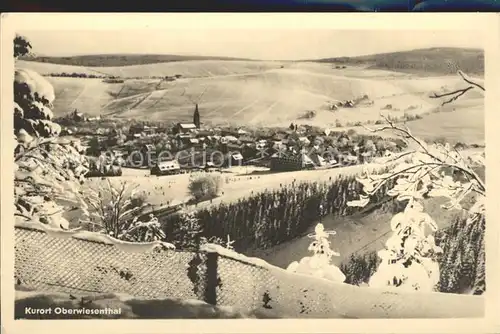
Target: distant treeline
432, 61
110, 78
112, 60
274, 216
462, 265
77, 75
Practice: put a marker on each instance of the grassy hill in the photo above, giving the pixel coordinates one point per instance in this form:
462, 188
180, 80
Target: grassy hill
242, 92
267, 93
111, 60
432, 61
443, 60
192, 69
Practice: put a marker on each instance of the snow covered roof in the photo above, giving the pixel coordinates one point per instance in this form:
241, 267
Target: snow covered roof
149, 147
306, 160
187, 126
304, 139
231, 138
237, 156
172, 164
351, 157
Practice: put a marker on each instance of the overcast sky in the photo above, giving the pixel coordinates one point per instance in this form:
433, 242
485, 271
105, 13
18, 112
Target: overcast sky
255, 44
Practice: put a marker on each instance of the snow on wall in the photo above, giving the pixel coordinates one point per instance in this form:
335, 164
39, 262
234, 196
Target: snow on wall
246, 283
293, 293
132, 247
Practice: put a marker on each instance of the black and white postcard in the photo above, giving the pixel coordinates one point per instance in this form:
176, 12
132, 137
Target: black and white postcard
303, 169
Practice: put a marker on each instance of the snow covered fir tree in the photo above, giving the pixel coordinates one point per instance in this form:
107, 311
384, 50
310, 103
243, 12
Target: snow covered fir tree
408, 261
319, 264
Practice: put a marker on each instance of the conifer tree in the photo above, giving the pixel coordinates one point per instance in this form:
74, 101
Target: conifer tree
48, 170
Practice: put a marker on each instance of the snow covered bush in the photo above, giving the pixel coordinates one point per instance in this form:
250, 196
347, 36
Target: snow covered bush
204, 187
319, 265
115, 210
48, 170
22, 47
427, 171
408, 260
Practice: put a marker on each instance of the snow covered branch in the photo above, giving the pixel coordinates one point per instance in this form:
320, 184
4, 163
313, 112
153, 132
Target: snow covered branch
114, 211
429, 170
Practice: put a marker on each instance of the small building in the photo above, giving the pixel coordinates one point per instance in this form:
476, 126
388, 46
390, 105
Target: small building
194, 141
304, 141
210, 167
278, 144
166, 168
318, 160
185, 128
118, 153
279, 136
261, 144
234, 159
234, 146
366, 157
182, 139
136, 129
246, 139
204, 133
149, 130
228, 139
349, 159
292, 163
231, 139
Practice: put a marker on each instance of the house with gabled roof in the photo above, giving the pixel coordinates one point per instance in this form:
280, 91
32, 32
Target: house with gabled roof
185, 128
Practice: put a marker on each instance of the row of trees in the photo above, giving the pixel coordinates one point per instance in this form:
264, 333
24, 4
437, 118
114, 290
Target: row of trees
274, 216
77, 75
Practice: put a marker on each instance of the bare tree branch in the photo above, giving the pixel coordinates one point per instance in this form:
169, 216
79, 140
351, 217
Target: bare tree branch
405, 133
459, 92
470, 82
456, 94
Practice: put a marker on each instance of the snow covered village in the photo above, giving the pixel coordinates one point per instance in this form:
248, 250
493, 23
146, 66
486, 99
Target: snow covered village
248, 185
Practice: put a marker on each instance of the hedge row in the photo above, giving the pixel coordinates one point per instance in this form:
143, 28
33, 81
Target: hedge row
274, 216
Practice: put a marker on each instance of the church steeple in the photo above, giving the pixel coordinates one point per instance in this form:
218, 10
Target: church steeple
196, 117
